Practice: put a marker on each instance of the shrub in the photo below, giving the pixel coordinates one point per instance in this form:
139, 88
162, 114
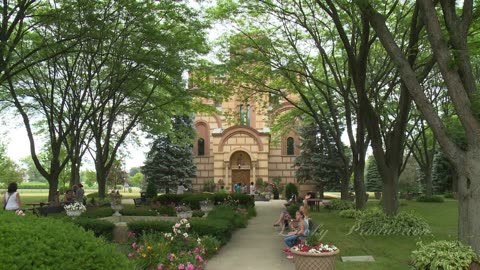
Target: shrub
139, 211
437, 199
226, 213
349, 213
251, 212
449, 195
293, 208
198, 213
209, 185
244, 199
194, 200
98, 212
151, 191
221, 229
442, 255
170, 198
98, 227
141, 227
340, 205
376, 222
30, 242
211, 245
165, 210
291, 189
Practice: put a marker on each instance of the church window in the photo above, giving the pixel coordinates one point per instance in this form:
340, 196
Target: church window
201, 147
290, 146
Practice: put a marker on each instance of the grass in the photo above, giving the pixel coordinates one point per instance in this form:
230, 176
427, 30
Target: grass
390, 252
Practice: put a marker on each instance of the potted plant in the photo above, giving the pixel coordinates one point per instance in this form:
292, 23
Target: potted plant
206, 206
75, 209
319, 257
183, 211
116, 202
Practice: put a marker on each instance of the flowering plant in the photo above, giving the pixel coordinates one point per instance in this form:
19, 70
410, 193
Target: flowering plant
75, 207
19, 212
322, 248
182, 208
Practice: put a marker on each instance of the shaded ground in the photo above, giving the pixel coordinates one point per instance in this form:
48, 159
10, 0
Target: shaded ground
256, 247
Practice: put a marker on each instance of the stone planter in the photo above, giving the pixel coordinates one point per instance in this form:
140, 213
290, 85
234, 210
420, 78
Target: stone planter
317, 261
206, 209
378, 195
73, 213
116, 208
186, 214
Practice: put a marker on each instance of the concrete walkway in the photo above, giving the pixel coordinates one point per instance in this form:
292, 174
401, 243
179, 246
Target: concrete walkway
256, 247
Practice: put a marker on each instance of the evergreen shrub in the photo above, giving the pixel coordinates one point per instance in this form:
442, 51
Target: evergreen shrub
29, 242
290, 190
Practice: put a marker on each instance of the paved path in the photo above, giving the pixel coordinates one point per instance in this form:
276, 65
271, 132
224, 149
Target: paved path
256, 247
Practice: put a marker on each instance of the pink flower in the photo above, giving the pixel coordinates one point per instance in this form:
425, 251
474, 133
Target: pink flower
181, 267
198, 258
134, 245
160, 267
190, 266
196, 250
131, 234
130, 254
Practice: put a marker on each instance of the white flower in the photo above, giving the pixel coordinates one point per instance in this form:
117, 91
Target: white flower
199, 241
185, 235
177, 225
187, 225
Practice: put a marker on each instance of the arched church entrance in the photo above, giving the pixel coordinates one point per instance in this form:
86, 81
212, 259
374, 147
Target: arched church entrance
240, 164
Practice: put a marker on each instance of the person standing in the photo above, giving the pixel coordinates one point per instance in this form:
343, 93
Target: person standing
244, 189
181, 188
252, 189
11, 198
80, 194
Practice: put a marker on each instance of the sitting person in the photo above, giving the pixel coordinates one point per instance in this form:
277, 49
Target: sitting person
302, 230
68, 198
283, 220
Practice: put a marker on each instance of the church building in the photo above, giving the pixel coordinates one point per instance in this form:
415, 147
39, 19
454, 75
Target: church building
236, 145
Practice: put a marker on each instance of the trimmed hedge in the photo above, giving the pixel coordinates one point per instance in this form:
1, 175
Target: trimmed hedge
340, 205
437, 199
99, 228
29, 242
225, 213
220, 229
139, 227
193, 200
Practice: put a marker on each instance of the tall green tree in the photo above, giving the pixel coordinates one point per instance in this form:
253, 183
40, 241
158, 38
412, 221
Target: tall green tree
9, 170
451, 38
170, 161
372, 177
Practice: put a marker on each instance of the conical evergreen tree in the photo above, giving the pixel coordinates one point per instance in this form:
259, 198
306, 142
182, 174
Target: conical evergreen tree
372, 178
170, 161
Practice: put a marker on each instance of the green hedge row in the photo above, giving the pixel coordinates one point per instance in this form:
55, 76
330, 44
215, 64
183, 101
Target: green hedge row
30, 242
193, 200
220, 223
437, 199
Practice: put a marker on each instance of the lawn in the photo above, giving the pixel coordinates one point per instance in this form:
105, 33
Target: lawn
390, 252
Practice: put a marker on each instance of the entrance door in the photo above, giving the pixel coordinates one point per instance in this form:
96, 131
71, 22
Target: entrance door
241, 176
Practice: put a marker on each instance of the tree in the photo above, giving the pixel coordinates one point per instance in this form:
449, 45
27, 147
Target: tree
133, 171
31, 171
137, 179
451, 51
88, 177
9, 170
372, 178
170, 161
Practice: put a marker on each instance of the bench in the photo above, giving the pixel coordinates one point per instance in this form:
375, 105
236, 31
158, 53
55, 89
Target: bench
138, 202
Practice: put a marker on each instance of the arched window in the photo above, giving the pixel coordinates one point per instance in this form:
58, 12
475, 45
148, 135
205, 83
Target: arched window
201, 147
290, 146
248, 116
242, 116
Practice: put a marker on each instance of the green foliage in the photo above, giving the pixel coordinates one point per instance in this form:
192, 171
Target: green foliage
141, 227
137, 211
437, 199
220, 229
291, 189
340, 205
211, 245
98, 227
442, 255
194, 200
72, 245
98, 212
137, 179
222, 212
170, 198
170, 161
209, 185
449, 195
376, 222
165, 210
198, 213
9, 170
372, 178
293, 208
151, 191
349, 213
443, 173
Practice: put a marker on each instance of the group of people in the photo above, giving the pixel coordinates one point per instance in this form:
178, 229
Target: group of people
12, 201
297, 227
239, 188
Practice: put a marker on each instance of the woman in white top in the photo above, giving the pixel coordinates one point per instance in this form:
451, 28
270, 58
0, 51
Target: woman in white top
252, 189
11, 199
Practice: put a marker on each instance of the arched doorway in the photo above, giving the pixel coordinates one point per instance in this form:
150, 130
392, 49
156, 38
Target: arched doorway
240, 164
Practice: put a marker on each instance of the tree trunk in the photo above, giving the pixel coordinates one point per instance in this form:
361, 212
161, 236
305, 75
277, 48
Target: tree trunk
359, 184
321, 190
74, 172
344, 184
469, 204
52, 188
428, 181
101, 180
390, 193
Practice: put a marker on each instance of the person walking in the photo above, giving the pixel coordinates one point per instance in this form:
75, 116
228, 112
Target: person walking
80, 195
11, 198
181, 188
